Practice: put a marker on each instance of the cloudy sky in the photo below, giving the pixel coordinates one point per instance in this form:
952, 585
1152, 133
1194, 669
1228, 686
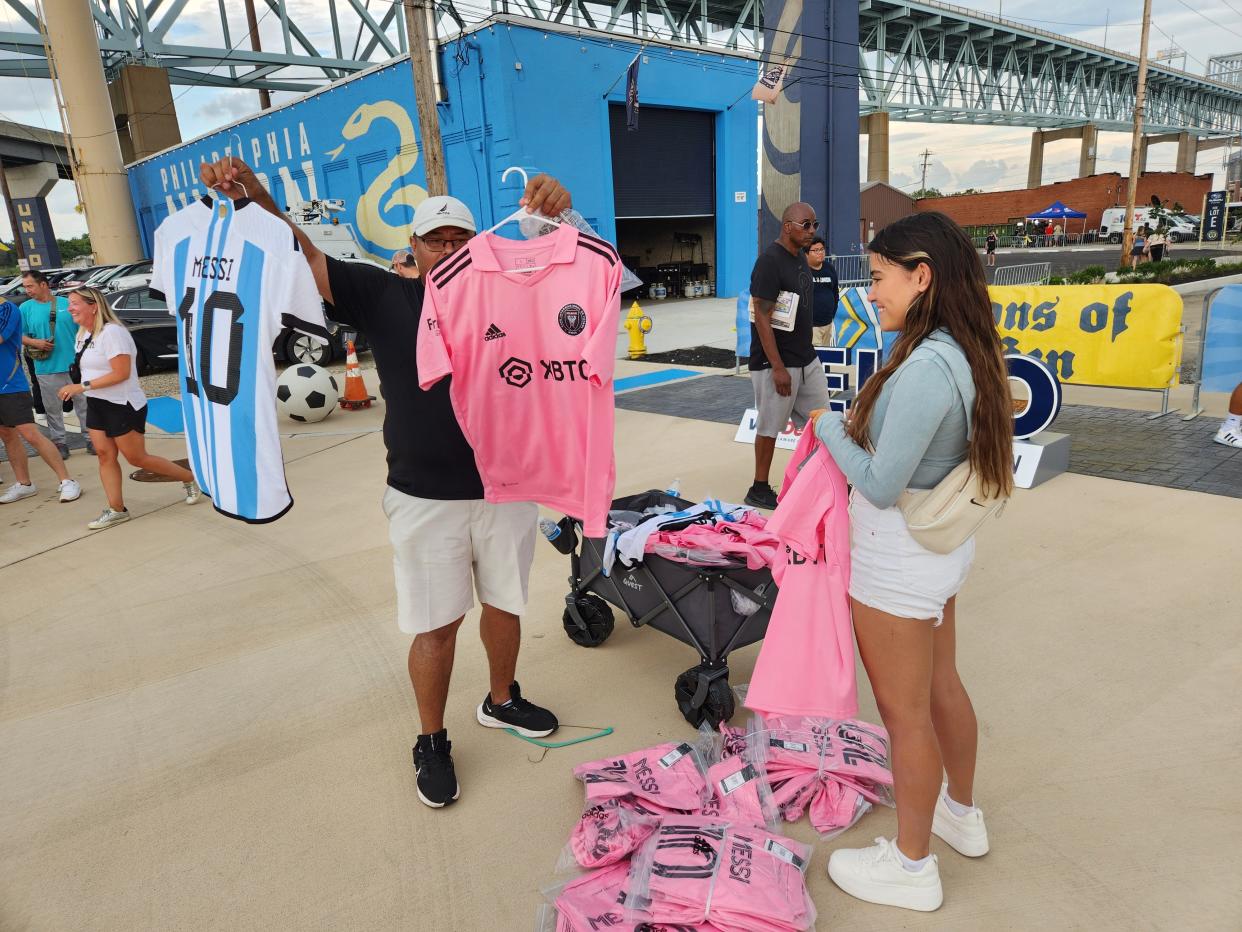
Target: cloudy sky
991, 158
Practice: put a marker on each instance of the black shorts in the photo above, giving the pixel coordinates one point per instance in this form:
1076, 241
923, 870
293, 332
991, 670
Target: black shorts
16, 409
113, 419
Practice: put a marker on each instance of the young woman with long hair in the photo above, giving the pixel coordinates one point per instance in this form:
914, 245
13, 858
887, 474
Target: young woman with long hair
116, 406
942, 398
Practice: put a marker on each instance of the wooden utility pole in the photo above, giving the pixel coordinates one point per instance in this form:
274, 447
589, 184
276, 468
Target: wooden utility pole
18, 246
420, 31
926, 155
1136, 142
265, 99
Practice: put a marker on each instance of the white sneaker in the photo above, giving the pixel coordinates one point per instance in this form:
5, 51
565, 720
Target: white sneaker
108, 518
1230, 438
16, 492
193, 494
965, 834
877, 875
70, 491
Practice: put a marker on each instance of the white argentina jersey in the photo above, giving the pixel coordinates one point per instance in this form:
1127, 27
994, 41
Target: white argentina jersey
234, 276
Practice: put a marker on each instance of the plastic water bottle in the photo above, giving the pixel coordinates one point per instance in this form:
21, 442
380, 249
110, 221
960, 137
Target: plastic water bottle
674, 489
556, 533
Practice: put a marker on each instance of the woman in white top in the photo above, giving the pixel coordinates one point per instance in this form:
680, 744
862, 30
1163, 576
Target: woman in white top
116, 407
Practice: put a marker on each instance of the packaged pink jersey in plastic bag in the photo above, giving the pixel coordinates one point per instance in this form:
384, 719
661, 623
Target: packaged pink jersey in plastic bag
596, 901
740, 794
608, 831
738, 878
669, 775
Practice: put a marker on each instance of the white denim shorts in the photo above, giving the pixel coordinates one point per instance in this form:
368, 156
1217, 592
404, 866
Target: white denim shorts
892, 572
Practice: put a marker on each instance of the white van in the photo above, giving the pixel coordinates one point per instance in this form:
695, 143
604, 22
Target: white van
1113, 221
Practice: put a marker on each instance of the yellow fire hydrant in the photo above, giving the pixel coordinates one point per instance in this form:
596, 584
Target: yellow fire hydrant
637, 323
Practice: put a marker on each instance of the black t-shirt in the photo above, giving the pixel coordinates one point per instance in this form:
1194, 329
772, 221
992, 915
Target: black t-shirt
776, 270
827, 293
428, 455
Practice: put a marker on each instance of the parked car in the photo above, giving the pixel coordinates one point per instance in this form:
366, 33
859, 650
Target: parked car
131, 276
155, 334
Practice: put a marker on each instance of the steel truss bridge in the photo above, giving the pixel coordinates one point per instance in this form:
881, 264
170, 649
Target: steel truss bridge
920, 61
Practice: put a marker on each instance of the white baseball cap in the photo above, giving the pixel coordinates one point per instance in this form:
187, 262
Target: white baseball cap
442, 211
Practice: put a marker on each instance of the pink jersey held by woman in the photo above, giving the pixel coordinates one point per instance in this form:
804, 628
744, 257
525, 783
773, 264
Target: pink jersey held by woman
806, 664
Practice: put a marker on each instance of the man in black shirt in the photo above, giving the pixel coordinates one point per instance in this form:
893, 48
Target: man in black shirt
788, 377
827, 292
447, 540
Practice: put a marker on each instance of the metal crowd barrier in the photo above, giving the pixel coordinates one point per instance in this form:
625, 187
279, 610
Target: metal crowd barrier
1035, 273
853, 271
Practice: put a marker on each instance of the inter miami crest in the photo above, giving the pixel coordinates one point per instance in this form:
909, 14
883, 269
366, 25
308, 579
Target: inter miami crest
572, 319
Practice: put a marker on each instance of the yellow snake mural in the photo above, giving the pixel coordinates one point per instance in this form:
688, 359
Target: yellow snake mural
389, 189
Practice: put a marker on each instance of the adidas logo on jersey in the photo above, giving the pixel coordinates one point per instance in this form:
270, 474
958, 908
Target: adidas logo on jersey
493, 333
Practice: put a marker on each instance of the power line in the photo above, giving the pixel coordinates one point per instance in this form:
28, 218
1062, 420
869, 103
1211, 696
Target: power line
1209, 19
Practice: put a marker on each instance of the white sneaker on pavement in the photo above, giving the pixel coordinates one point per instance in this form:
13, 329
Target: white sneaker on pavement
965, 834
193, 494
16, 492
1230, 438
877, 875
70, 491
108, 518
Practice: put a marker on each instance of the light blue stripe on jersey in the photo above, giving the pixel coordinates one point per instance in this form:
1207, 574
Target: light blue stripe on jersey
222, 206
242, 411
180, 253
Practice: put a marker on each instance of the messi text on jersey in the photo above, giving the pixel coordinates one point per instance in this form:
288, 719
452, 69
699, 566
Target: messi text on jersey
213, 268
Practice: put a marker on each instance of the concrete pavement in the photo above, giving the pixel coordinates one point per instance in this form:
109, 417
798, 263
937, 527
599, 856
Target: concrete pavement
206, 725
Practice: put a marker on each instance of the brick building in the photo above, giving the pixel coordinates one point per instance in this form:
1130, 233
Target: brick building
1090, 195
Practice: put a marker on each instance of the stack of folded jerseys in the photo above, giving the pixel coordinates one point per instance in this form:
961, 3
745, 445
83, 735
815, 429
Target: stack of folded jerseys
680, 836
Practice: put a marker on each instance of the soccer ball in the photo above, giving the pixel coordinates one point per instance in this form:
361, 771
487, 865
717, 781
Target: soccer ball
306, 393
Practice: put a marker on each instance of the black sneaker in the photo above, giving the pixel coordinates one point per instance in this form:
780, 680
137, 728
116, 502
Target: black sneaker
761, 496
524, 717
437, 781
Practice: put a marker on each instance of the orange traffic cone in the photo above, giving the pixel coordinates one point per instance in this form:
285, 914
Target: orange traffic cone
355, 389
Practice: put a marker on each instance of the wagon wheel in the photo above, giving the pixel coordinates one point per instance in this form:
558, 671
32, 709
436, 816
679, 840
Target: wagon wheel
596, 620
704, 698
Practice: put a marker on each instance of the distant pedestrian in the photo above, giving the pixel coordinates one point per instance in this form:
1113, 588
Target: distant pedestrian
1049, 233
1157, 245
116, 407
787, 375
17, 417
1058, 236
1139, 248
827, 293
991, 243
1230, 433
404, 264
48, 333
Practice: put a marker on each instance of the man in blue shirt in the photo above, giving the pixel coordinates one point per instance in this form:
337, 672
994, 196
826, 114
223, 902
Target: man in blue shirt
17, 416
42, 334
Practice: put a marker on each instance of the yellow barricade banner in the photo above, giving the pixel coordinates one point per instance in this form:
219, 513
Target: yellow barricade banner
1120, 336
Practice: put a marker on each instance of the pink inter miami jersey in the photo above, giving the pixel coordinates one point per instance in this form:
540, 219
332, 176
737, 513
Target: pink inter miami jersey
528, 330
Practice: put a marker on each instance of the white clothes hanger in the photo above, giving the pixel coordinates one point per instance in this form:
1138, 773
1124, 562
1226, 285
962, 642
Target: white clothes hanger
521, 213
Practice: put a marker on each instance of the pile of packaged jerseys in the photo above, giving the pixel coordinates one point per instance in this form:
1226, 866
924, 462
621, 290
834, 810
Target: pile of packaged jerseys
714, 533
684, 836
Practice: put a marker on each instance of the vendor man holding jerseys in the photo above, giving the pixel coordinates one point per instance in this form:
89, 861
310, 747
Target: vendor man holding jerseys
447, 541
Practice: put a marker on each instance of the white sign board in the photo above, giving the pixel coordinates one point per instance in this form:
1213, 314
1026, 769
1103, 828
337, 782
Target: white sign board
785, 440
739, 197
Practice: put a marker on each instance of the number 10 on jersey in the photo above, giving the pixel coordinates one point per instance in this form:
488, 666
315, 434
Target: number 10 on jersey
198, 365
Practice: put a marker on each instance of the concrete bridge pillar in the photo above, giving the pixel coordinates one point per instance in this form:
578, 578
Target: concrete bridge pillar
875, 125
1035, 172
1187, 152
1088, 155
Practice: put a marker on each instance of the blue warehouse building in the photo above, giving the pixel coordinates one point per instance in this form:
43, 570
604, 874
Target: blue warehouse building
678, 195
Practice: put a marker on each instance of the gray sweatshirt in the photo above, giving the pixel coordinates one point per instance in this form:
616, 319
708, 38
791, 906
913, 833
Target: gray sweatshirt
919, 426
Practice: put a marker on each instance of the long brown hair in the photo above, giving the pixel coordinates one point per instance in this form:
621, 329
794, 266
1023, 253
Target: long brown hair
957, 301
